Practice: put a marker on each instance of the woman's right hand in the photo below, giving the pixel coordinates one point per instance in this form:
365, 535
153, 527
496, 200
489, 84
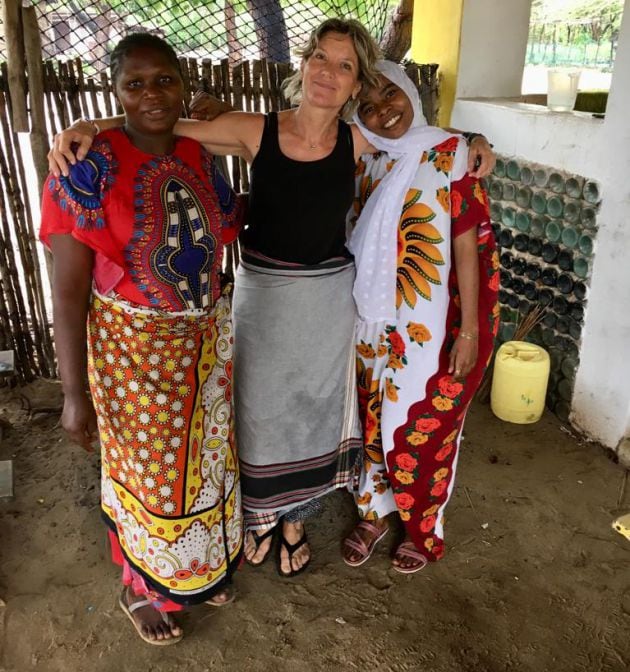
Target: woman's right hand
63, 152
79, 420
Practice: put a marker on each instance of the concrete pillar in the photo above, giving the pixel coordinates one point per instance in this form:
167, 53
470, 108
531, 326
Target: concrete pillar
493, 48
435, 39
480, 46
601, 403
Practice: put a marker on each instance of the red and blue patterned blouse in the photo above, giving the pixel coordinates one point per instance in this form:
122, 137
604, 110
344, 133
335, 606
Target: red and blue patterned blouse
157, 224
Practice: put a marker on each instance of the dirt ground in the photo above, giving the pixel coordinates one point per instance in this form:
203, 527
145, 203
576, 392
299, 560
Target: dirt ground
534, 577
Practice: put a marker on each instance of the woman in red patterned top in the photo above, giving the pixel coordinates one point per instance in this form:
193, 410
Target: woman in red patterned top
137, 232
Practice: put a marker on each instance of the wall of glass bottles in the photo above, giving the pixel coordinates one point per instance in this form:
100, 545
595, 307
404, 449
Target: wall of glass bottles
545, 222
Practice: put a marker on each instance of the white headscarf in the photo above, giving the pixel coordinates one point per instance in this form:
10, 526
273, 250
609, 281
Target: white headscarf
374, 241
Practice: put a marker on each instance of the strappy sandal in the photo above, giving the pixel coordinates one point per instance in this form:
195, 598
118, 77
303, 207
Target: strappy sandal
408, 550
258, 540
129, 610
291, 549
355, 542
231, 594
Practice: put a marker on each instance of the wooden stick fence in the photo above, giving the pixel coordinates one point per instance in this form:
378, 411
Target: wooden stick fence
69, 93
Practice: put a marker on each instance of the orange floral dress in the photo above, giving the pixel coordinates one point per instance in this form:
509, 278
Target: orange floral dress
411, 409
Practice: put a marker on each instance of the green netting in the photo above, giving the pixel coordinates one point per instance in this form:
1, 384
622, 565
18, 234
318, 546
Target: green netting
235, 29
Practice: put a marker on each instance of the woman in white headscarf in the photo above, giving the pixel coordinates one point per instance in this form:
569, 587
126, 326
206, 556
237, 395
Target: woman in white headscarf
426, 325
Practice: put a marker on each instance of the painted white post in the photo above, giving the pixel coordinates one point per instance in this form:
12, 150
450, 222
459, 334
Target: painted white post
493, 48
601, 402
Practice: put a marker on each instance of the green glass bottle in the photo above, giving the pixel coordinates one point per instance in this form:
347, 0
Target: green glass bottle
556, 183
591, 192
553, 231
509, 191
572, 211
574, 186
522, 221
524, 197
539, 202
585, 245
588, 217
495, 191
555, 206
527, 175
513, 170
580, 267
569, 237
541, 177
499, 168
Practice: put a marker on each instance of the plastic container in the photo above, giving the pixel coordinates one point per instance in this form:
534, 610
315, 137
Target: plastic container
519, 382
562, 88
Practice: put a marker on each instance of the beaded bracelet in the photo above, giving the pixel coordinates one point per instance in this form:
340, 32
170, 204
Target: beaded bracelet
468, 335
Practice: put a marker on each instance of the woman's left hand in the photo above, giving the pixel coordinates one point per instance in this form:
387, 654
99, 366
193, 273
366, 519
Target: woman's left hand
481, 158
463, 357
205, 107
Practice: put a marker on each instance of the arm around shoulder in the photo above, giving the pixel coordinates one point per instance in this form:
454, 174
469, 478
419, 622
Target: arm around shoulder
236, 133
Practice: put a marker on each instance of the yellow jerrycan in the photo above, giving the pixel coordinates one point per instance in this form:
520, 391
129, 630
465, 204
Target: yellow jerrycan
519, 382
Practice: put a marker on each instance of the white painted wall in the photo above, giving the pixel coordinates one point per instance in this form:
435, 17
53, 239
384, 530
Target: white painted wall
601, 404
493, 48
597, 149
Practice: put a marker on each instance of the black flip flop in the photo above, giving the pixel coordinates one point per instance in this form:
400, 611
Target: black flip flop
291, 548
258, 540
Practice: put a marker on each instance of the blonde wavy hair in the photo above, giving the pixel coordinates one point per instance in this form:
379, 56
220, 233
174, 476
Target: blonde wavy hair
366, 49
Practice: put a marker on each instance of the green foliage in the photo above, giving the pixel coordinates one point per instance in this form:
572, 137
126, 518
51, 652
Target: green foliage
576, 32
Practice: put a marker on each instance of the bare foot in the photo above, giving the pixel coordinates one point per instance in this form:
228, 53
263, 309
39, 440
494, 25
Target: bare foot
257, 546
368, 532
149, 621
407, 558
293, 532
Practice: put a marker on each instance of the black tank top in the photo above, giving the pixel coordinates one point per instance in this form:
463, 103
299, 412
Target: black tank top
297, 209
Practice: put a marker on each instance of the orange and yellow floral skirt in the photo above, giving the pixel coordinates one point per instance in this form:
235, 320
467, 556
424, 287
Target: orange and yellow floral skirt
162, 389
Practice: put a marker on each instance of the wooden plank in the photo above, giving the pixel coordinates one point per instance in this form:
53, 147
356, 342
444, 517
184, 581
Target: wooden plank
85, 112
105, 87
62, 79
52, 124
72, 91
38, 137
206, 76
96, 111
256, 80
265, 85
247, 86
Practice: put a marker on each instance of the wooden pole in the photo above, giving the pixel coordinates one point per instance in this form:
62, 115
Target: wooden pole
12, 20
35, 69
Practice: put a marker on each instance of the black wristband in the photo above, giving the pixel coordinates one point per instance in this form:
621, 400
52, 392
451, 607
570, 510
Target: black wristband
470, 136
